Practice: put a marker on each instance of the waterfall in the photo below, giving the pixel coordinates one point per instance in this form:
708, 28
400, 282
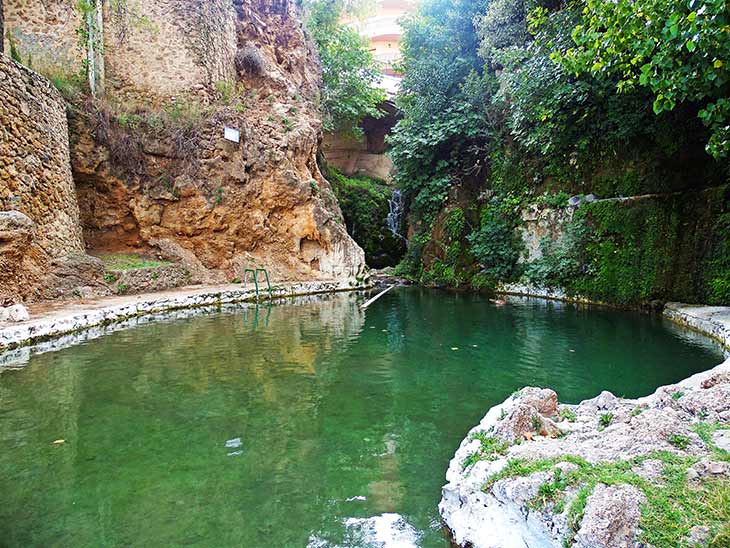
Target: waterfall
395, 213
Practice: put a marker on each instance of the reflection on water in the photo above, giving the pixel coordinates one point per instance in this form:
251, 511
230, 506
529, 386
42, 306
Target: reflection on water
303, 424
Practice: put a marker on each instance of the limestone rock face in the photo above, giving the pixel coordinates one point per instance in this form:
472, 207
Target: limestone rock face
216, 205
488, 505
39, 215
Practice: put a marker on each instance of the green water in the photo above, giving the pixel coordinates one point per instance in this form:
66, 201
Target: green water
329, 403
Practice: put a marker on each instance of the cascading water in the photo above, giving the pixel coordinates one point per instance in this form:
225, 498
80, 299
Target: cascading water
395, 213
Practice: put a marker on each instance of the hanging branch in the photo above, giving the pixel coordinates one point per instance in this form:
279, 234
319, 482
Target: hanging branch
92, 41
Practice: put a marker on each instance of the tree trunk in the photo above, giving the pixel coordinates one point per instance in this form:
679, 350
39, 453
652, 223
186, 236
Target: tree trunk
90, 56
100, 69
2, 29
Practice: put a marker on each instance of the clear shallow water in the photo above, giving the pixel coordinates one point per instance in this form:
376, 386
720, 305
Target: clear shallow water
303, 425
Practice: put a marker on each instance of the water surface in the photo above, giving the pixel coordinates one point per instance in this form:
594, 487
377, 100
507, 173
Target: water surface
310, 424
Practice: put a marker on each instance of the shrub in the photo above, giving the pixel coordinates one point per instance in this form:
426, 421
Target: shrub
496, 246
679, 441
605, 419
226, 91
14, 51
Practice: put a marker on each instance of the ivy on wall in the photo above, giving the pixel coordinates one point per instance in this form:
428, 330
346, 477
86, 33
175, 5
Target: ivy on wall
204, 23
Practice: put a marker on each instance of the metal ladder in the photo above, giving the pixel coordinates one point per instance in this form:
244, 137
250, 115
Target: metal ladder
255, 274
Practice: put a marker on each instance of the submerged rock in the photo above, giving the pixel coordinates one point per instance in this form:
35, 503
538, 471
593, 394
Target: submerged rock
537, 474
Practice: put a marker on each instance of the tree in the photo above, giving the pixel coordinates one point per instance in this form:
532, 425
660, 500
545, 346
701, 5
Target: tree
349, 71
680, 50
445, 102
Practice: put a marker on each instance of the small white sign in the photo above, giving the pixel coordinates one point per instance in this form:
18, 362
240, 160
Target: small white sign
231, 134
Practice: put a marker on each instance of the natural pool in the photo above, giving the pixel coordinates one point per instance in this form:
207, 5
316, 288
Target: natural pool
308, 424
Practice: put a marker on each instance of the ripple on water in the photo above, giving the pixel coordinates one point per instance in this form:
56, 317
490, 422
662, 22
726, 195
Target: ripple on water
384, 531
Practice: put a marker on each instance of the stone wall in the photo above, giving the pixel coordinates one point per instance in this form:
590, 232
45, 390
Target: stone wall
39, 215
351, 157
541, 223
45, 32
365, 155
166, 47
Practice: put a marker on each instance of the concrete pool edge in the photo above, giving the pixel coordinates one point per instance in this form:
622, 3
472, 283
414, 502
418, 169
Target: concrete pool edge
710, 321
52, 320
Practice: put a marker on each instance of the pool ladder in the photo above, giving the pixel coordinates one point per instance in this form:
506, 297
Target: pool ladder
255, 275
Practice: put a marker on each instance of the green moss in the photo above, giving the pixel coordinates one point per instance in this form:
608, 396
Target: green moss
668, 513
364, 204
130, 261
664, 248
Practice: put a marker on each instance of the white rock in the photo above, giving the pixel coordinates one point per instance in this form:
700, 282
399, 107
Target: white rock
504, 516
721, 438
17, 313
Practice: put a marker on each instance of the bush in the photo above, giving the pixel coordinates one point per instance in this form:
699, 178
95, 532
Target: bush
350, 74
496, 246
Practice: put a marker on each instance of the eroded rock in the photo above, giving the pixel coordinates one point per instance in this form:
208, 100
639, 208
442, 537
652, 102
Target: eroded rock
14, 313
492, 504
611, 518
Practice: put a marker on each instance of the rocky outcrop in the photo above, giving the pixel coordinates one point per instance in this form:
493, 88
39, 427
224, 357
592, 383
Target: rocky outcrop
203, 148
366, 154
39, 215
598, 474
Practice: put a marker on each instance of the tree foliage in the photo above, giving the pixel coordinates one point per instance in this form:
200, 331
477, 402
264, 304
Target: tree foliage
680, 50
507, 101
443, 98
349, 71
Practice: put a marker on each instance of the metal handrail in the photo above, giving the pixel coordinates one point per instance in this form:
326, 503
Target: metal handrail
255, 275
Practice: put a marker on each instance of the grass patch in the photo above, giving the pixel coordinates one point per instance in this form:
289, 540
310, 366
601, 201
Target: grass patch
668, 513
638, 410
568, 414
491, 449
605, 420
705, 430
130, 261
679, 441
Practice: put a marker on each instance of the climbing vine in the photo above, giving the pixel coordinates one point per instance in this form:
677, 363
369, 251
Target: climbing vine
205, 23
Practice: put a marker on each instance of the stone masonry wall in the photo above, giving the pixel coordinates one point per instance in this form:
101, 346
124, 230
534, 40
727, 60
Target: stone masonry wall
169, 46
39, 215
45, 31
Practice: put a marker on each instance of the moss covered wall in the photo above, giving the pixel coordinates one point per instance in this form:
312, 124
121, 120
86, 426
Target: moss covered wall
672, 247
364, 204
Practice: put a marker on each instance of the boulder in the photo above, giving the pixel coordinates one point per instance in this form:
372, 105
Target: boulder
15, 313
611, 518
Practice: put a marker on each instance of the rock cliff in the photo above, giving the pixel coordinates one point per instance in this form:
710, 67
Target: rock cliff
153, 169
